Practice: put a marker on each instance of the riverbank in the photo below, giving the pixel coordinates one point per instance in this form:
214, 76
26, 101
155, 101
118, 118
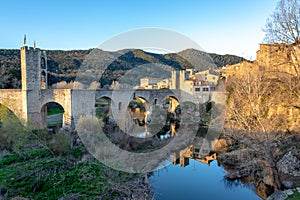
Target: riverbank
290, 194
38, 174
35, 164
271, 164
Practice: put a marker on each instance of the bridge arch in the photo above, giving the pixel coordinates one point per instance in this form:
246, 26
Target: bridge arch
106, 98
103, 106
138, 109
170, 102
57, 115
142, 99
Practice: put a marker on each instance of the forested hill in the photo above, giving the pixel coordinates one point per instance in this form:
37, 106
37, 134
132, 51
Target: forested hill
63, 65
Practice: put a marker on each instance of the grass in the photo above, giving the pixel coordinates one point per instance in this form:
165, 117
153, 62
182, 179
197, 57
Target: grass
43, 166
295, 196
54, 111
38, 174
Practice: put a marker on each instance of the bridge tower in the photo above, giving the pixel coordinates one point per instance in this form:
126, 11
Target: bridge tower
33, 68
34, 79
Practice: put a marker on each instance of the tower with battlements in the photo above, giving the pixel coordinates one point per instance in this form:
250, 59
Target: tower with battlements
34, 79
33, 68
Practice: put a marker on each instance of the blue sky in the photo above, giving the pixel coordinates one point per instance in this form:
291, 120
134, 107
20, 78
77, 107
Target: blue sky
218, 26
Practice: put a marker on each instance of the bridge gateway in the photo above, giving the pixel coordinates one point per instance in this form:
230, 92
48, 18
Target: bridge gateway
29, 102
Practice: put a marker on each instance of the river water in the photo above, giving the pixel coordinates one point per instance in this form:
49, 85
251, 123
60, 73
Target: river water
194, 172
198, 181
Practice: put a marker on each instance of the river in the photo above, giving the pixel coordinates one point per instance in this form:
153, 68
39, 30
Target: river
198, 181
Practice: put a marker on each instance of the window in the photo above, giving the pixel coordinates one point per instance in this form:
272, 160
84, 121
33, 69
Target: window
43, 80
197, 89
205, 89
43, 63
120, 105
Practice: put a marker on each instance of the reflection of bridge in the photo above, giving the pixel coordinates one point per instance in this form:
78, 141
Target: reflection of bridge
200, 150
30, 102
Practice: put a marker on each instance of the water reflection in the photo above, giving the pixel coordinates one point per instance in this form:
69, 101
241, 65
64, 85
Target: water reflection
160, 120
200, 172
158, 127
192, 152
197, 181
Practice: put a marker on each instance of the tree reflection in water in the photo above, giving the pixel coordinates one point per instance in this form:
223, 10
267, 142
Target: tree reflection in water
252, 163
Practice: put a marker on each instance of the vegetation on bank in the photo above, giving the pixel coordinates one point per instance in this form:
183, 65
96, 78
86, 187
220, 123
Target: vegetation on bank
37, 165
263, 104
263, 108
294, 196
38, 174
262, 129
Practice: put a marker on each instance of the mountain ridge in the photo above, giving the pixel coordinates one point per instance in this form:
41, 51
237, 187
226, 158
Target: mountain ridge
63, 65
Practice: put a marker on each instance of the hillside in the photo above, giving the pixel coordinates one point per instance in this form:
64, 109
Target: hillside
64, 65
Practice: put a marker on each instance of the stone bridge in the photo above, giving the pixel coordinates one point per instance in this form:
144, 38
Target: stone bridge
29, 104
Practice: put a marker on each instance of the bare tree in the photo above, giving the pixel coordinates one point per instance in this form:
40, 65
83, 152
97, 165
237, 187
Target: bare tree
258, 103
283, 27
246, 103
70, 85
94, 85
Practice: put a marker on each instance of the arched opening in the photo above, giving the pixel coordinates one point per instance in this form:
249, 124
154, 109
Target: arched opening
52, 116
43, 63
172, 109
138, 109
43, 80
142, 99
103, 108
171, 103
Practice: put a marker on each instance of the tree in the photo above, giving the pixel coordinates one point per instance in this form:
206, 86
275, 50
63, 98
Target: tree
262, 105
94, 85
283, 27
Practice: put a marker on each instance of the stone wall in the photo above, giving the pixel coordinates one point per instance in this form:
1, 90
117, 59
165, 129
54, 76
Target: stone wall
12, 99
277, 58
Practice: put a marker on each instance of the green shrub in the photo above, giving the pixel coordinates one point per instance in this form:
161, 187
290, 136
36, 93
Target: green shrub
60, 144
294, 196
10, 133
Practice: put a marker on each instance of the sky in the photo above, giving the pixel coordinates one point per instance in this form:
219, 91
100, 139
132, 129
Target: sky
218, 26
